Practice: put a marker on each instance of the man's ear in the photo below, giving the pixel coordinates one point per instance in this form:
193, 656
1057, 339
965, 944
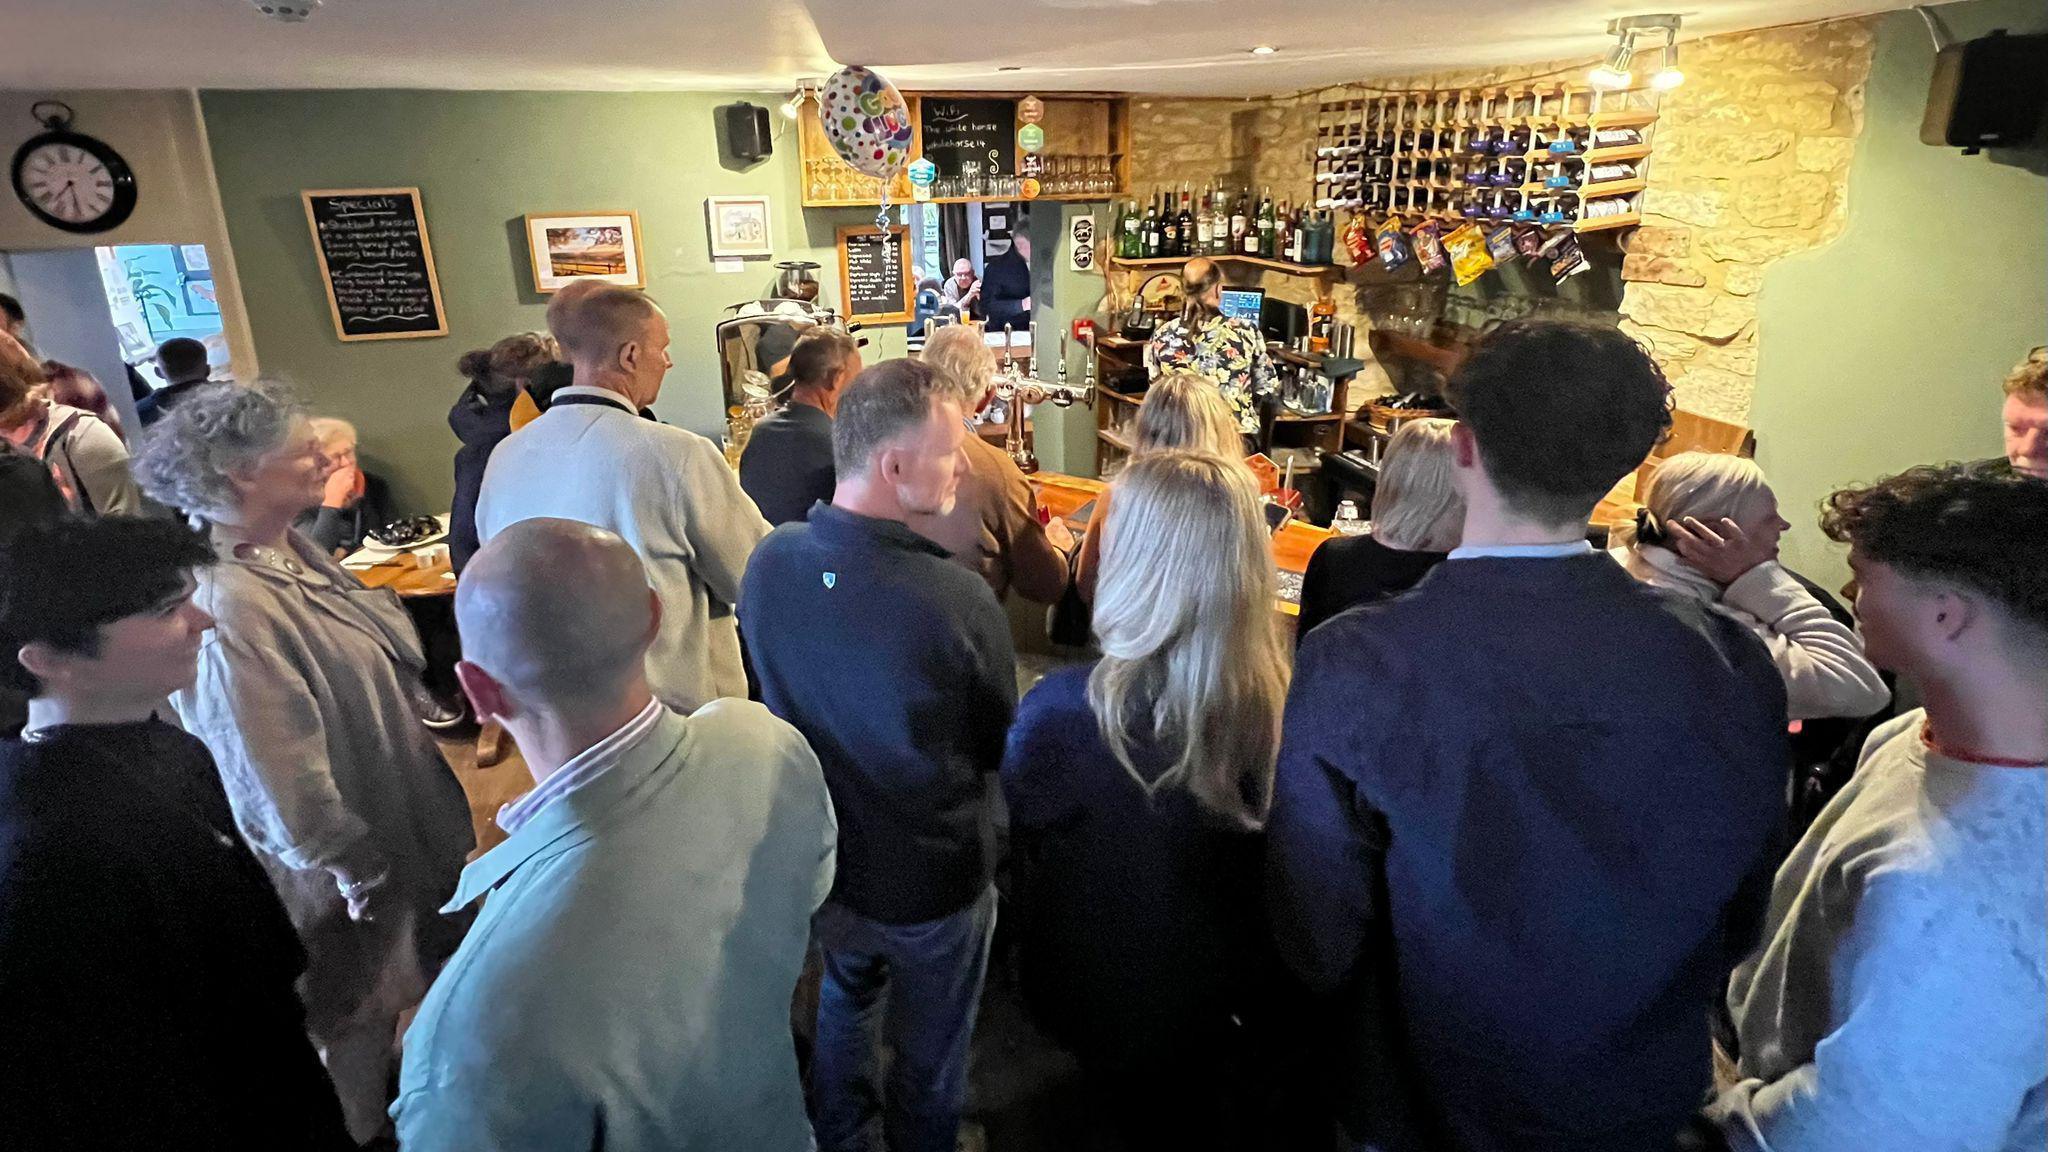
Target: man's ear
486, 695
1954, 613
42, 660
1464, 448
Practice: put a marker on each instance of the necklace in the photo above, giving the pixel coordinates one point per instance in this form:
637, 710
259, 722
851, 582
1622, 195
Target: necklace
1970, 756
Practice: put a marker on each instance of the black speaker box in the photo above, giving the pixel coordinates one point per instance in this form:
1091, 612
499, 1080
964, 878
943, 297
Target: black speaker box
1987, 93
746, 131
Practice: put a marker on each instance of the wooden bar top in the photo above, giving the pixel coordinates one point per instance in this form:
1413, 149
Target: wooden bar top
403, 577
1292, 545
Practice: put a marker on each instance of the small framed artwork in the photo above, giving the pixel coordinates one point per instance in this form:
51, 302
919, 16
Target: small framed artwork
199, 298
739, 226
586, 246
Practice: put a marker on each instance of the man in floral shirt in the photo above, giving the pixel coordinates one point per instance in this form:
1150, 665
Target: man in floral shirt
1227, 350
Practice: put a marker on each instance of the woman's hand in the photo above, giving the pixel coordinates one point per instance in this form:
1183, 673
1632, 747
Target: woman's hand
364, 878
340, 487
1722, 552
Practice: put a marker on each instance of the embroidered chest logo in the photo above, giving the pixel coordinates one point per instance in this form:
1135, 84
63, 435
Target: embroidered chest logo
831, 579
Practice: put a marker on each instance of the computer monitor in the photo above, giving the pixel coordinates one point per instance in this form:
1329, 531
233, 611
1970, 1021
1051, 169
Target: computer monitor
1244, 303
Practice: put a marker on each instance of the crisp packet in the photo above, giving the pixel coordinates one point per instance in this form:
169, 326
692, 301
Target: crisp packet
1429, 246
1393, 243
1500, 244
1567, 259
1467, 249
1529, 241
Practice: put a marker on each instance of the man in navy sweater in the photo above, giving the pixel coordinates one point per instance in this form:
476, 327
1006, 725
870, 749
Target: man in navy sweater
896, 665
1525, 802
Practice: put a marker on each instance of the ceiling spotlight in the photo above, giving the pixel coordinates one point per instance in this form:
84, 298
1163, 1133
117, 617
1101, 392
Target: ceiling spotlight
794, 106
288, 11
1010, 68
1668, 77
1613, 72
1264, 50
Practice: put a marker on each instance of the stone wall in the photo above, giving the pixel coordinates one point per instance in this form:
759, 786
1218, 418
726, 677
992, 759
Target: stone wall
1751, 165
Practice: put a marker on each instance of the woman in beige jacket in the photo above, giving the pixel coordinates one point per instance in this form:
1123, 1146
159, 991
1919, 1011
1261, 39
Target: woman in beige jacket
303, 697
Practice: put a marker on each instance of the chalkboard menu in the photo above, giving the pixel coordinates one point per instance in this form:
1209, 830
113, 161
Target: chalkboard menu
875, 267
376, 263
960, 133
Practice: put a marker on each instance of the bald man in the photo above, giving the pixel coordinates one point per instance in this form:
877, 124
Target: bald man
666, 490
628, 983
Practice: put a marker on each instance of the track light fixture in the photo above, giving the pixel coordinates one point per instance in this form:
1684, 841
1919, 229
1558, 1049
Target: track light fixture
794, 106
1615, 71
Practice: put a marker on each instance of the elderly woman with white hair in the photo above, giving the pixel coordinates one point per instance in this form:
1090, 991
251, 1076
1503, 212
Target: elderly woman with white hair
352, 502
1709, 528
993, 528
303, 697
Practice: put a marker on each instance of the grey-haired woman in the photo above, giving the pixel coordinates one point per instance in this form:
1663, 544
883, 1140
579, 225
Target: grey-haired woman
303, 698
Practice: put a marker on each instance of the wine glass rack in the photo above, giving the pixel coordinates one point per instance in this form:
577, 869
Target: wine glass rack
1555, 156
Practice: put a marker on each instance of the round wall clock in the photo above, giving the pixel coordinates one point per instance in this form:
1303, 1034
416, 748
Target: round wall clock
70, 180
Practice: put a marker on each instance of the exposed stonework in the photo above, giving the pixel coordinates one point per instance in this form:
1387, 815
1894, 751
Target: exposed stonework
1751, 165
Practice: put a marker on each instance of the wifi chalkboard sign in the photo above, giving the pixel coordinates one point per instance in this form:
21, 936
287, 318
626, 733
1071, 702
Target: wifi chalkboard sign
376, 263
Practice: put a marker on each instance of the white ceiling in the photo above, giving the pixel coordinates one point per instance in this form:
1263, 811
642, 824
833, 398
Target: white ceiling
1193, 47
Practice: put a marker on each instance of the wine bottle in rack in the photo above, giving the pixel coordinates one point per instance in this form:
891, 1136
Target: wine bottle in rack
1617, 138
1565, 172
1478, 143
1610, 172
1520, 207
1541, 128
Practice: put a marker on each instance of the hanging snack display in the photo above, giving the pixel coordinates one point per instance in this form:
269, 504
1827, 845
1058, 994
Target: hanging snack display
1392, 243
1469, 254
1429, 246
1500, 244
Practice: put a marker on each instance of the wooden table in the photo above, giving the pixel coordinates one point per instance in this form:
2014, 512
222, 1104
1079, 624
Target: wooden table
402, 576
1292, 545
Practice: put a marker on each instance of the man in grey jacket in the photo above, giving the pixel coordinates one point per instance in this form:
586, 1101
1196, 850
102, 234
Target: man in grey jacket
667, 491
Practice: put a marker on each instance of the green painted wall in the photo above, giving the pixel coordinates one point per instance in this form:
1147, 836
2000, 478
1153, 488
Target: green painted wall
1886, 348
482, 161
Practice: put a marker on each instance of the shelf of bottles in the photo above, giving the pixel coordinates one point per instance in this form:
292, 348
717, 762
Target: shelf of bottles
1558, 157
1231, 226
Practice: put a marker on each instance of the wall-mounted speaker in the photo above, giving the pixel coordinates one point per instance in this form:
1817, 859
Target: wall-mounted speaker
746, 131
1987, 93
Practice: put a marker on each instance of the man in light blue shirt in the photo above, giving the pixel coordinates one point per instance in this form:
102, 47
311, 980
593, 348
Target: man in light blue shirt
627, 985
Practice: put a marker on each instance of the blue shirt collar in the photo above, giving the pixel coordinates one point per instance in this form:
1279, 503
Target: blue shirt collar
1523, 551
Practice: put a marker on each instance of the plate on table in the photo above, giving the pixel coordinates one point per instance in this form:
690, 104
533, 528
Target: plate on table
406, 534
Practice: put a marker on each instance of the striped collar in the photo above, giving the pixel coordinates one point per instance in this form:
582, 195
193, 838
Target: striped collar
581, 768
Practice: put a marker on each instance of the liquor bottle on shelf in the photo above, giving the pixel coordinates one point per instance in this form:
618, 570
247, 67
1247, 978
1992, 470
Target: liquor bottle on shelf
1266, 235
1169, 226
1153, 235
1130, 241
1297, 250
1219, 222
1186, 224
1204, 230
1322, 317
1240, 224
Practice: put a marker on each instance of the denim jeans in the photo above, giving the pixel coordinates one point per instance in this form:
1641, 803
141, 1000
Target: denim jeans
933, 974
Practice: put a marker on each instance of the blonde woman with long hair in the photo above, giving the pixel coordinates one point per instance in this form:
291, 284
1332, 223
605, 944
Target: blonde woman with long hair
1709, 528
1182, 411
1417, 517
1137, 788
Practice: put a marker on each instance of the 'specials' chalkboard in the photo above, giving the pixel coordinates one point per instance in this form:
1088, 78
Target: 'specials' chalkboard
957, 133
875, 268
376, 262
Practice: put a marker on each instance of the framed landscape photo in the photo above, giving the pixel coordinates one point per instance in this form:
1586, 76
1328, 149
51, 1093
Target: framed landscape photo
586, 246
739, 226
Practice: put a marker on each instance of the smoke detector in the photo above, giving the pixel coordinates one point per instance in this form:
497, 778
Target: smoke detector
288, 11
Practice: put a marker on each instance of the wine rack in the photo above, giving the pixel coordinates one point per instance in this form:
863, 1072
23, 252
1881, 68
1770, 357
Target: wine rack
1556, 156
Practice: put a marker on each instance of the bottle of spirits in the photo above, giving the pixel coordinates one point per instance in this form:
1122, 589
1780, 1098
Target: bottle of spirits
1132, 243
1219, 222
1205, 228
1152, 233
1241, 225
1267, 233
1186, 223
1169, 226
1297, 250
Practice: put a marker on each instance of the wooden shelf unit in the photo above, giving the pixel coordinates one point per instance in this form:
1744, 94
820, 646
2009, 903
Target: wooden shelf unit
1288, 267
1075, 123
1362, 143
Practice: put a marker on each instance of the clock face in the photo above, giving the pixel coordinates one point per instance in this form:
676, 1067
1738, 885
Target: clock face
74, 182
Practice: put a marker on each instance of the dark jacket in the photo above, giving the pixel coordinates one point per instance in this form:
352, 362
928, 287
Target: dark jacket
480, 420
343, 529
1005, 285
896, 665
146, 965
151, 408
787, 465
1565, 777
1352, 570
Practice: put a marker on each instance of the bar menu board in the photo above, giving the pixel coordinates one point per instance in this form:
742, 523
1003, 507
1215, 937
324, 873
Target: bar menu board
376, 263
960, 133
875, 267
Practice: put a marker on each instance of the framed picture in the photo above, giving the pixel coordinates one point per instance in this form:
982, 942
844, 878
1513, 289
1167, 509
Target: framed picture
199, 298
739, 226
587, 246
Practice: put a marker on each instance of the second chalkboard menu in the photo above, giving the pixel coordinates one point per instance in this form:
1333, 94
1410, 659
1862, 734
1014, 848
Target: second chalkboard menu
376, 263
969, 137
875, 267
